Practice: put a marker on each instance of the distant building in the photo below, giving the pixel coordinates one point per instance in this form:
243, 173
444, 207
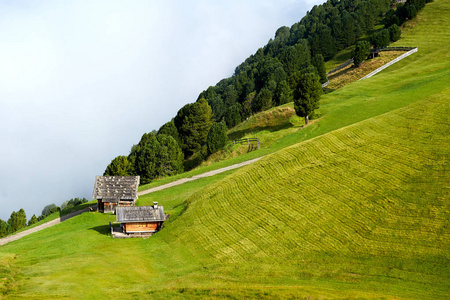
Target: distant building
115, 191
140, 220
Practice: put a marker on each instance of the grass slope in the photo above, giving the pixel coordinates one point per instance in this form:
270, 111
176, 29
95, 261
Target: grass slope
357, 207
420, 75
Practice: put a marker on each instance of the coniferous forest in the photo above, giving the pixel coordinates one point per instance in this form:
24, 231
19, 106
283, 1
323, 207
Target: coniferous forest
273, 76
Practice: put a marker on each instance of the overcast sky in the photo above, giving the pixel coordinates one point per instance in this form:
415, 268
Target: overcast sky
81, 81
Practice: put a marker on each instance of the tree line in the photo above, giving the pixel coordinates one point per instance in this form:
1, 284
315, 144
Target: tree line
18, 220
391, 32
289, 68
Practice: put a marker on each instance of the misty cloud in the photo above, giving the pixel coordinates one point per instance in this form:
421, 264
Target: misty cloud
81, 81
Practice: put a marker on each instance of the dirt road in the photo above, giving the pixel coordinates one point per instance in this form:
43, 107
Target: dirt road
207, 174
40, 227
158, 188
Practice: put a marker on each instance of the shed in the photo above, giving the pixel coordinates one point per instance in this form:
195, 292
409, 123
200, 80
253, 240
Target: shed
113, 191
141, 220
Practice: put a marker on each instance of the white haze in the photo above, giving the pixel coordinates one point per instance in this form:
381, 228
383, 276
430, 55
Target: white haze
81, 81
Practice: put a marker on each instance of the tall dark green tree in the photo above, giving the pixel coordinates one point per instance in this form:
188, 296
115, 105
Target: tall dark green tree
391, 18
170, 156
282, 34
17, 220
361, 52
119, 166
295, 57
381, 39
217, 137
318, 62
146, 162
193, 122
283, 93
170, 129
233, 115
306, 95
262, 101
3, 228
33, 220
394, 32
246, 110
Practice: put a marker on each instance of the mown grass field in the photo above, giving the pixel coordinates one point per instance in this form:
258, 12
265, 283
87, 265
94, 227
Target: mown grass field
422, 74
354, 206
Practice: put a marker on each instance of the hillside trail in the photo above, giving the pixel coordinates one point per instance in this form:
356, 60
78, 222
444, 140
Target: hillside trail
206, 174
21, 234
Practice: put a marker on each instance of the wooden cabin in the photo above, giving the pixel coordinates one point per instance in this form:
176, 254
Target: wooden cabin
115, 191
141, 220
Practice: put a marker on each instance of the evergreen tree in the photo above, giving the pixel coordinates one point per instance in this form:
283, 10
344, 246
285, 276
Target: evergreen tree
232, 115
394, 32
33, 220
230, 95
17, 220
193, 122
391, 18
147, 159
282, 34
247, 105
217, 137
262, 101
360, 53
282, 93
170, 156
3, 228
119, 166
381, 39
170, 129
318, 62
218, 107
306, 95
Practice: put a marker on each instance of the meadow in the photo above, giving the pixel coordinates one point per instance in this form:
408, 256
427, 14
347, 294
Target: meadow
353, 206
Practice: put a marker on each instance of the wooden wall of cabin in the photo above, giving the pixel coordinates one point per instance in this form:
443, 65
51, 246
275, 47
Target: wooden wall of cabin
109, 206
141, 227
126, 203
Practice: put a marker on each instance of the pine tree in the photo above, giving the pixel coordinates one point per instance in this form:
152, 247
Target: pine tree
170, 156
193, 122
217, 137
3, 228
33, 220
306, 95
119, 166
360, 53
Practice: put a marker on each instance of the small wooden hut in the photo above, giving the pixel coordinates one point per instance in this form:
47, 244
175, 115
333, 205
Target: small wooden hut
114, 191
141, 220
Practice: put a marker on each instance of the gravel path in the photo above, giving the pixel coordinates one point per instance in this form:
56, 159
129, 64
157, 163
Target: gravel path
207, 174
21, 234
158, 188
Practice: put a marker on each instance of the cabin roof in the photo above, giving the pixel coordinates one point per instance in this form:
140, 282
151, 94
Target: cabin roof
115, 188
134, 214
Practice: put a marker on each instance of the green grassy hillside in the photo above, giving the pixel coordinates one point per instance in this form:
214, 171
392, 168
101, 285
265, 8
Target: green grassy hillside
420, 75
356, 207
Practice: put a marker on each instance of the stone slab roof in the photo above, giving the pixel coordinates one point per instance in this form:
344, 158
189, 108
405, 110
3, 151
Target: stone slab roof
135, 214
115, 188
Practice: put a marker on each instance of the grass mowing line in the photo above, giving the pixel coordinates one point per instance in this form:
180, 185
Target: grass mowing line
377, 242
66, 256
